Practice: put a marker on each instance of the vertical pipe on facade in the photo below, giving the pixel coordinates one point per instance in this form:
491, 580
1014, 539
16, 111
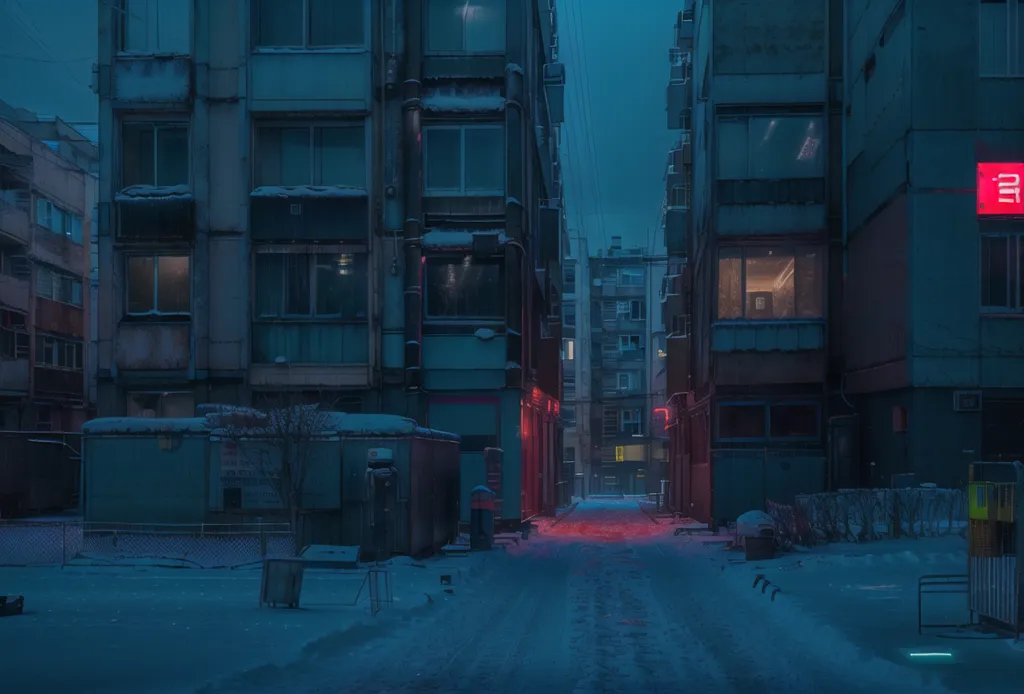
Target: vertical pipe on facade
514, 213
412, 230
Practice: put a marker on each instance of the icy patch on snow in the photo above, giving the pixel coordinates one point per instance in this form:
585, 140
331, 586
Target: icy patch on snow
308, 192
457, 238
144, 425
150, 193
485, 334
464, 99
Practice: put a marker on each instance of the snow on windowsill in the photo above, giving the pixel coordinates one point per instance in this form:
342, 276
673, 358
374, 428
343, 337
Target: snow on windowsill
105, 426
457, 238
463, 103
308, 192
149, 193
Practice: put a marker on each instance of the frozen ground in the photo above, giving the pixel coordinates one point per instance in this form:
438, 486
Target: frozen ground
604, 600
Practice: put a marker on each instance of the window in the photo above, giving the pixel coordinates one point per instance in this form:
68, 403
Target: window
631, 424
458, 26
999, 38
624, 380
14, 191
312, 285
155, 26
629, 343
741, 421
569, 454
568, 349
13, 335
793, 420
57, 286
303, 24
1000, 273
161, 405
60, 222
464, 160
158, 285
770, 284
569, 416
610, 422
569, 278
154, 154
569, 314
770, 148
631, 277
15, 265
311, 156
58, 353
635, 310
464, 288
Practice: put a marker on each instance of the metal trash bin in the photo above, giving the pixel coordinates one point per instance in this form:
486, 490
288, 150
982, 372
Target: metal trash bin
481, 519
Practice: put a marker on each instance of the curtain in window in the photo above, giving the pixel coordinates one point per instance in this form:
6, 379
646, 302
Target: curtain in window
283, 157
336, 23
485, 160
342, 156
173, 289
141, 298
443, 162
445, 25
280, 23
730, 285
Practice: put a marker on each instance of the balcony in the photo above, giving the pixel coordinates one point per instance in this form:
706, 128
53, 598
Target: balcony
155, 215
296, 217
281, 80
153, 346
149, 80
58, 383
14, 377
677, 231
57, 317
14, 293
15, 224
58, 251
768, 336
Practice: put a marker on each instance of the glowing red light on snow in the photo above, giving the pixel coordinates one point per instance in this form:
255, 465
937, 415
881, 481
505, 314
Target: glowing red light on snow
999, 189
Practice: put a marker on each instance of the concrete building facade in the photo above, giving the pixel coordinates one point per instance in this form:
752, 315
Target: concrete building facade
357, 201
47, 189
576, 366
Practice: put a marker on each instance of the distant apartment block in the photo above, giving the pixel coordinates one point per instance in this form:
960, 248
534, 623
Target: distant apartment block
47, 191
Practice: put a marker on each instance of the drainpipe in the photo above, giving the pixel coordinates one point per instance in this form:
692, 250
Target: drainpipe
412, 230
515, 255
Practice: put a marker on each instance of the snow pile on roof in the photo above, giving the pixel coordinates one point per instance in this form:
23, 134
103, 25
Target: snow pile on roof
150, 193
458, 238
464, 99
144, 425
309, 192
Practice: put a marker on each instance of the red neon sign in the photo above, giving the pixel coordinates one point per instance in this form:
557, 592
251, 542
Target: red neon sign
663, 411
999, 189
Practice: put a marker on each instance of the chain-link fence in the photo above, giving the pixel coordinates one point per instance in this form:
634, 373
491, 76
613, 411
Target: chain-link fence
205, 546
862, 515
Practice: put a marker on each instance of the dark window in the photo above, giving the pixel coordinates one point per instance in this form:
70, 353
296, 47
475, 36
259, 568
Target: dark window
569, 313
1000, 272
569, 455
311, 285
794, 421
476, 443
741, 421
154, 154
464, 289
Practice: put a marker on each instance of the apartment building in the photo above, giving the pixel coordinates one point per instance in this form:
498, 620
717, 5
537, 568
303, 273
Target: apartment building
765, 210
576, 365
355, 201
933, 341
47, 191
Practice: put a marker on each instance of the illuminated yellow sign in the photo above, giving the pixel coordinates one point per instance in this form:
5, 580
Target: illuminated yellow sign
620, 454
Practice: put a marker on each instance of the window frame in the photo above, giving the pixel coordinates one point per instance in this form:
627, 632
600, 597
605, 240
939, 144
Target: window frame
626, 339
155, 312
448, 259
68, 220
60, 343
462, 128
1014, 67
638, 422
55, 276
821, 152
766, 407
156, 121
122, 12
631, 272
1015, 305
428, 51
794, 251
312, 316
628, 378
311, 126
306, 47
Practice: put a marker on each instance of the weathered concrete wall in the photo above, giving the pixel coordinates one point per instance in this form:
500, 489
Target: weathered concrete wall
753, 37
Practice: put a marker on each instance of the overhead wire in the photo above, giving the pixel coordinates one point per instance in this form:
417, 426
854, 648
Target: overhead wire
23, 22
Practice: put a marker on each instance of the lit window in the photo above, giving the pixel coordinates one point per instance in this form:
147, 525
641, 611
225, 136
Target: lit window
158, 285
770, 147
568, 349
770, 284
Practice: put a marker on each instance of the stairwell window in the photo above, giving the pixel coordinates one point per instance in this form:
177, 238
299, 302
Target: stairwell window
999, 38
155, 26
464, 289
464, 160
1002, 257
770, 284
465, 26
158, 285
310, 24
311, 155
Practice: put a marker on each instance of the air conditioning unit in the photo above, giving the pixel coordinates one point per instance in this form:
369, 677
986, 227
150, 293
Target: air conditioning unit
967, 401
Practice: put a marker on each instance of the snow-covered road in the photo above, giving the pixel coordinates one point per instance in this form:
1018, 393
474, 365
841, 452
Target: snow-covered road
609, 601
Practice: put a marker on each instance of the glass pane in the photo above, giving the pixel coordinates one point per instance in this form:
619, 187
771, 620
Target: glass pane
269, 270
810, 284
993, 35
995, 284
732, 148
336, 23
138, 167
464, 290
786, 147
485, 26
329, 284
793, 421
443, 156
730, 285
741, 421
135, 25
485, 160
172, 287
445, 25
296, 285
140, 285
171, 155
173, 27
279, 23
769, 284
283, 157
342, 157
344, 278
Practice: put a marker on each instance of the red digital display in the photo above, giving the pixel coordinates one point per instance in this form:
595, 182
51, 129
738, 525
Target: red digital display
999, 189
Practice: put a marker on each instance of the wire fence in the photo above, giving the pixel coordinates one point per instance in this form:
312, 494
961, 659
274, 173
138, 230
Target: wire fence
204, 546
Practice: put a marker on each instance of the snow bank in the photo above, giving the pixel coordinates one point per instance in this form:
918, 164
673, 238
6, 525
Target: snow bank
308, 192
144, 426
153, 193
458, 238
